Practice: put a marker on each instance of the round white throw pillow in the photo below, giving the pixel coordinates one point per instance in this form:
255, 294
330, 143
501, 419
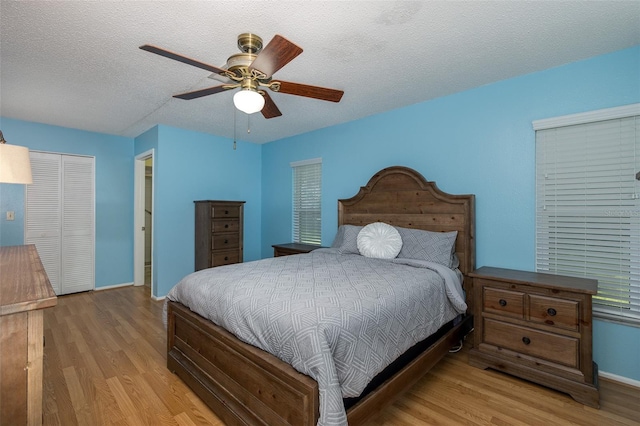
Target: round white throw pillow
379, 240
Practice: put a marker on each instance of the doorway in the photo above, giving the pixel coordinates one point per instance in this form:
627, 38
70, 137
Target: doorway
143, 221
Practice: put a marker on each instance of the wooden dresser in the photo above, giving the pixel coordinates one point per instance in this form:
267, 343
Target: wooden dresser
25, 291
293, 248
537, 327
219, 233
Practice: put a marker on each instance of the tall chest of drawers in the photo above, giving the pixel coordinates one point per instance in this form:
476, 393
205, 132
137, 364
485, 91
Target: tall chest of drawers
218, 233
538, 327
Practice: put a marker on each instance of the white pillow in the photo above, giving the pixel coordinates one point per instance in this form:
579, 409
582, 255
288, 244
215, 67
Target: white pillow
379, 240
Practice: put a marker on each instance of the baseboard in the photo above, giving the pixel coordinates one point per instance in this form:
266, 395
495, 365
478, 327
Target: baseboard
109, 287
157, 299
621, 379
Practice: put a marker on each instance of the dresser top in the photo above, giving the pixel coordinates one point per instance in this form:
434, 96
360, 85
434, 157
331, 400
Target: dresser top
298, 246
24, 285
558, 282
220, 201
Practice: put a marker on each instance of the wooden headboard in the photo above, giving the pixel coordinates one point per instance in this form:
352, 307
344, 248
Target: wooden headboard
401, 196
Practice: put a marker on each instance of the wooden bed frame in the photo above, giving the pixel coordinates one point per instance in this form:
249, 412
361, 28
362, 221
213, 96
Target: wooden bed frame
245, 385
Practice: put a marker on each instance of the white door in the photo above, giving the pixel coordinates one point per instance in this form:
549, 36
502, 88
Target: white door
60, 219
42, 215
77, 224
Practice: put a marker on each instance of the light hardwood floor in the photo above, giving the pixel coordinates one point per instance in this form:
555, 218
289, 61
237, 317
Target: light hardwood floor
105, 365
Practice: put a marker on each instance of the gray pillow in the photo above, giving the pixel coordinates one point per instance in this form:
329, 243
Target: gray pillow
438, 247
346, 240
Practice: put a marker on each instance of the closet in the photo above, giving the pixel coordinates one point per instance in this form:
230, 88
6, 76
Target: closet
60, 219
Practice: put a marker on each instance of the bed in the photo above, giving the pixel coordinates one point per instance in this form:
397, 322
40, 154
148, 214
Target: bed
243, 384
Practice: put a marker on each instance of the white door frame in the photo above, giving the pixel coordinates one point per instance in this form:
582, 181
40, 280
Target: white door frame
138, 218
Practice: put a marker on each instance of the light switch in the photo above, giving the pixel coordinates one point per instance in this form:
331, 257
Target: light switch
11, 215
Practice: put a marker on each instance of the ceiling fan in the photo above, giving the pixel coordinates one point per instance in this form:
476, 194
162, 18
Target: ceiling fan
251, 71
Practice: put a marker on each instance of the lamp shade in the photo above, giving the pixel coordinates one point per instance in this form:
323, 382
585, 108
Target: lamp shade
15, 166
248, 101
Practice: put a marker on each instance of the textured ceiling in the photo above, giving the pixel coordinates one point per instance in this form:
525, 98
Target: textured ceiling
77, 63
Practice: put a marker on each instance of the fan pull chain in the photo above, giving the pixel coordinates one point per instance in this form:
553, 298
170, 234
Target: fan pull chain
248, 123
235, 112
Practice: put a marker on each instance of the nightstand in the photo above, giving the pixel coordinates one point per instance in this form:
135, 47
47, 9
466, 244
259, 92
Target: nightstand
292, 248
538, 327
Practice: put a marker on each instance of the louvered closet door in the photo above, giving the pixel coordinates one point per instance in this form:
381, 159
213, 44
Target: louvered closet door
43, 216
60, 219
77, 224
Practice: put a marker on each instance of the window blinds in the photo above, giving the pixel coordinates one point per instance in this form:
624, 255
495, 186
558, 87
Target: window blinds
588, 209
307, 195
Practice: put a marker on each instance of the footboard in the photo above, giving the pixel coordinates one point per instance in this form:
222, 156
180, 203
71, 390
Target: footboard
240, 383
245, 385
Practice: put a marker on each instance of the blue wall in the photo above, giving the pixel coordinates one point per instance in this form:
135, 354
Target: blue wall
479, 141
113, 196
192, 166
188, 166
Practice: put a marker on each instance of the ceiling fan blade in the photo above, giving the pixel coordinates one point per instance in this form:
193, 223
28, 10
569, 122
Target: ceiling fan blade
202, 92
270, 110
177, 57
315, 92
275, 55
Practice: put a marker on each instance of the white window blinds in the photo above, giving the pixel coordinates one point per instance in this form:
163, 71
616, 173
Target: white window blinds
307, 194
588, 209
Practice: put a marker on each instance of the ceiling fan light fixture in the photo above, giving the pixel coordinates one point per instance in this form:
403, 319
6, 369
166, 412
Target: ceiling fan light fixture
252, 71
248, 101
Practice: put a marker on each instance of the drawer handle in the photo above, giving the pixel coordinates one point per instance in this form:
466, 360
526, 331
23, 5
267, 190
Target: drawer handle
552, 312
226, 241
226, 225
226, 212
526, 340
502, 302
226, 258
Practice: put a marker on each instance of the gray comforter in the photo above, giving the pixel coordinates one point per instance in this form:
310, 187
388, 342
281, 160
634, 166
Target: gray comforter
340, 319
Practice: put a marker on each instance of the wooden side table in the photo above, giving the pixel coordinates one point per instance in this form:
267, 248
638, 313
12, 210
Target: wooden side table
538, 327
293, 248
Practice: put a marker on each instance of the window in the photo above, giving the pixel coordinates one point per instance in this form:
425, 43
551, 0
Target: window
588, 204
307, 194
